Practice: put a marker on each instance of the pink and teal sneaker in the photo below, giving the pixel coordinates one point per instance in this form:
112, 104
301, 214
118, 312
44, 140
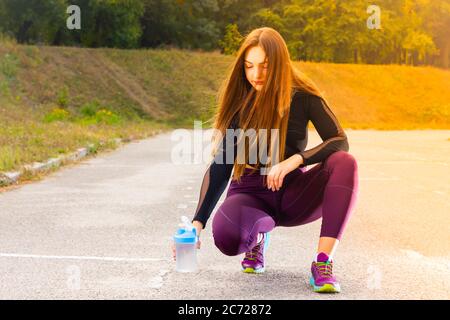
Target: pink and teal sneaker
253, 261
322, 279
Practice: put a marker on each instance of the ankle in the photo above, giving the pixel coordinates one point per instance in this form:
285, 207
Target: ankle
330, 258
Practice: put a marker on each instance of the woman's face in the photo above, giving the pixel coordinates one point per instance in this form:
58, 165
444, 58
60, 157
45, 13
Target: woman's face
255, 66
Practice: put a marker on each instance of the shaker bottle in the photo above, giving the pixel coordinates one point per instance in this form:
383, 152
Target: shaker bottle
185, 243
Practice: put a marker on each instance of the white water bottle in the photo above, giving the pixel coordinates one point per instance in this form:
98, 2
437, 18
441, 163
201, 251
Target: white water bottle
186, 247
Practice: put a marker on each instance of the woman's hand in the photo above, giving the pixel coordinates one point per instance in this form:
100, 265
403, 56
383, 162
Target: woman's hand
199, 226
280, 170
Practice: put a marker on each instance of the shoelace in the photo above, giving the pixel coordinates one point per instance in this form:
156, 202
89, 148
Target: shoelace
255, 253
325, 269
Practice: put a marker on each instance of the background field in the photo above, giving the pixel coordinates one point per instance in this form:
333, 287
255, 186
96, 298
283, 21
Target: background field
56, 99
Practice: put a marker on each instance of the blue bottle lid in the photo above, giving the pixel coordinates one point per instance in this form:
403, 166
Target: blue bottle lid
185, 236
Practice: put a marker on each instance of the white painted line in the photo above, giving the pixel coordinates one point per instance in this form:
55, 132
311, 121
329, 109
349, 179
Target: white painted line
182, 206
36, 256
188, 195
188, 188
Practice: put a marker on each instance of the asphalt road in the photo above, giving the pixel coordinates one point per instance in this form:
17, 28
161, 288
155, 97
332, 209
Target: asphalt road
102, 229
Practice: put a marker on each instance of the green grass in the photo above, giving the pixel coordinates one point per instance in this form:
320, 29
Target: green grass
23, 142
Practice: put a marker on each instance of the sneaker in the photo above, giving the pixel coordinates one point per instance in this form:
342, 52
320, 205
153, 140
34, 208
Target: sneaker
253, 261
322, 279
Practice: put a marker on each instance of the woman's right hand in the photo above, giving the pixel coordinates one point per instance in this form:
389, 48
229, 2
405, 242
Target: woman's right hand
199, 226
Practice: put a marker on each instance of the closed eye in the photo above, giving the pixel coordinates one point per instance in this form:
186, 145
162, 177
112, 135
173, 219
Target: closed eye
249, 64
249, 67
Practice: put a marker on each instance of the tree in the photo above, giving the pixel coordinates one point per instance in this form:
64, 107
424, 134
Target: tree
436, 15
32, 21
195, 26
111, 23
294, 21
266, 18
232, 40
159, 23
418, 45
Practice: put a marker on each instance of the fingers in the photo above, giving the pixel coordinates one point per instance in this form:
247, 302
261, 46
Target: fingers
275, 180
174, 253
270, 180
280, 181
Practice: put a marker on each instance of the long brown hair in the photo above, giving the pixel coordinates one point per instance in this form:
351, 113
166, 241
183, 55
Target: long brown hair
237, 97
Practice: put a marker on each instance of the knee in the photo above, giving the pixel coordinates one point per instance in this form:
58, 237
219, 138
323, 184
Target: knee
342, 159
226, 243
227, 238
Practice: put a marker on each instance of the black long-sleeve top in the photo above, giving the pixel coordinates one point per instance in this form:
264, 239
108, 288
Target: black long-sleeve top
303, 108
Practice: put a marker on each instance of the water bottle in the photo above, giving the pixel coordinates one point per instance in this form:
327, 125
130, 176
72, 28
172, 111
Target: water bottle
185, 243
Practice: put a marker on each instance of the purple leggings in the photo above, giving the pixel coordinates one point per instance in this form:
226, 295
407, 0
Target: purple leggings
328, 190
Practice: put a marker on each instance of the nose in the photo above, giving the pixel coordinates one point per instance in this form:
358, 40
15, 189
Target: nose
258, 72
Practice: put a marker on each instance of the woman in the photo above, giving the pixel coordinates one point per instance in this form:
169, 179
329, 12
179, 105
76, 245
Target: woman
265, 91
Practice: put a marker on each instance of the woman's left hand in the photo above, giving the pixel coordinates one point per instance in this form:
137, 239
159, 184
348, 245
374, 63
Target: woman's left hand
280, 170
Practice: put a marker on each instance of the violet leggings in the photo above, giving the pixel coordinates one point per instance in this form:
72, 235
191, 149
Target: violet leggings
328, 190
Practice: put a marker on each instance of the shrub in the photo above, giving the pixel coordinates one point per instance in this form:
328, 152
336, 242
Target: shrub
57, 114
9, 64
63, 98
89, 109
106, 116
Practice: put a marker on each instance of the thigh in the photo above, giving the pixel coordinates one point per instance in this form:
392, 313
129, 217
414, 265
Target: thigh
240, 217
302, 197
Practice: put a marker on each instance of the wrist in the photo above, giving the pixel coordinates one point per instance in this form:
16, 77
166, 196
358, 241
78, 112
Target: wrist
198, 225
298, 159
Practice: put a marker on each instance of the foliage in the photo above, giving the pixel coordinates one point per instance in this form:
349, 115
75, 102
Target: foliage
412, 32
